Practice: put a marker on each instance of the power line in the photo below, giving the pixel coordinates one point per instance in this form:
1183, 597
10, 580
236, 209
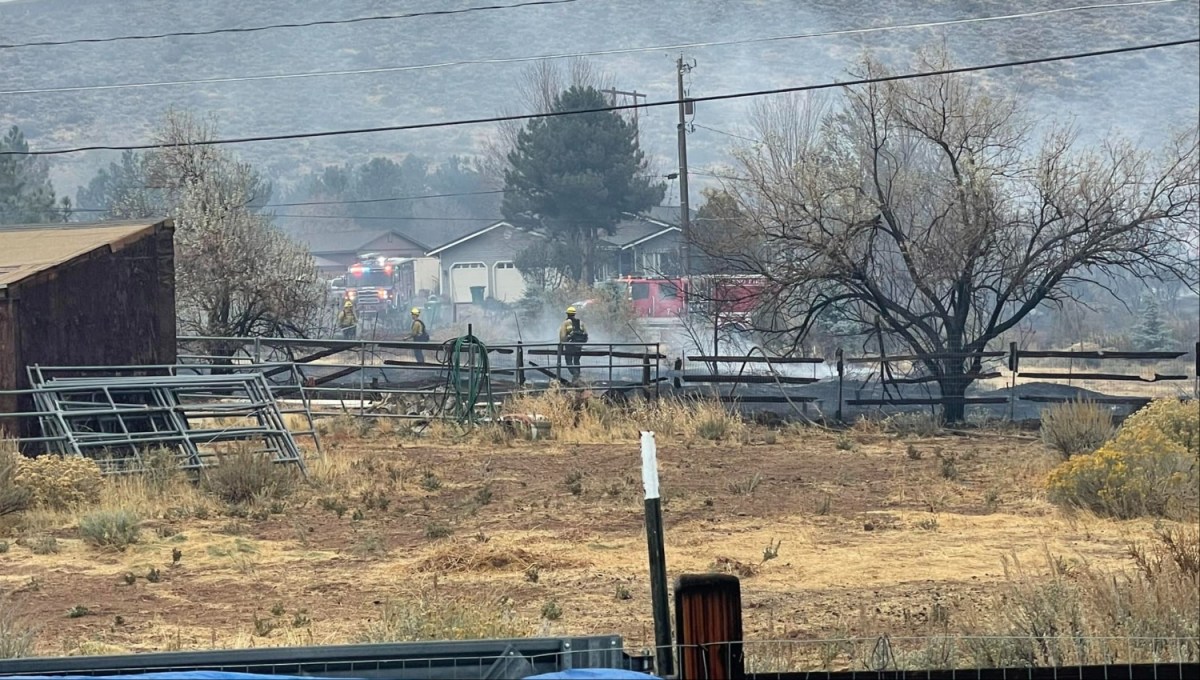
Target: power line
386, 200
269, 27
727, 134
604, 109
345, 202
594, 53
383, 218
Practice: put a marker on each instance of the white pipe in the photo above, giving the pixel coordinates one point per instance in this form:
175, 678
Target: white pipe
649, 465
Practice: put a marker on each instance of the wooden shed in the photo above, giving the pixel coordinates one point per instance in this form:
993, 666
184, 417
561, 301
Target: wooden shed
84, 295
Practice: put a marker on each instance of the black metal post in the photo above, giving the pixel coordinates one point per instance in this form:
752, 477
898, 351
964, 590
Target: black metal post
716, 340
664, 659
610, 366
558, 367
520, 365
841, 371
1014, 365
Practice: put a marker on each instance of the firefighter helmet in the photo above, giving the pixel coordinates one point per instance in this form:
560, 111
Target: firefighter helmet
416, 311
570, 310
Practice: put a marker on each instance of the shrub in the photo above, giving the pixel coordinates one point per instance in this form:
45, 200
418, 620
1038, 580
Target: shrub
1076, 427
1070, 614
438, 617
713, 429
60, 482
110, 528
42, 544
16, 639
244, 477
13, 496
551, 611
1149, 467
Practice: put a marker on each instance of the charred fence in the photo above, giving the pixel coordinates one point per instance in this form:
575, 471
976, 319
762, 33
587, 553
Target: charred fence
1012, 385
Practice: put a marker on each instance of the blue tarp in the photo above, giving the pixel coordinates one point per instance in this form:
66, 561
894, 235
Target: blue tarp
593, 674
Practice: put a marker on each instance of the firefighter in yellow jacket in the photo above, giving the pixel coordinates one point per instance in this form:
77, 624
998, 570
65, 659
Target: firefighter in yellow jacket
418, 334
571, 334
347, 319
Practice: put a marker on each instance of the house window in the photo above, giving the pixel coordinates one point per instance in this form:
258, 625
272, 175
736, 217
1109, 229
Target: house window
505, 265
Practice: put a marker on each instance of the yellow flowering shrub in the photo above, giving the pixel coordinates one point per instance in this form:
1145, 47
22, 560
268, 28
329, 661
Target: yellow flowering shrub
60, 482
1148, 468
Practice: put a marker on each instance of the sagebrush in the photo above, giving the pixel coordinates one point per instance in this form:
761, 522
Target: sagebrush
427, 616
16, 638
13, 496
1148, 468
111, 528
60, 482
1076, 427
244, 477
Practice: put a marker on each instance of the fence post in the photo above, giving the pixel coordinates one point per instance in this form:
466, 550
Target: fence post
658, 356
1014, 365
646, 366
1196, 357
362, 379
520, 364
558, 366
610, 366
841, 371
664, 659
716, 343
708, 627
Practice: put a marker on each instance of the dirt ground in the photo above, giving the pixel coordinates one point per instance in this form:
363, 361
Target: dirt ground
874, 533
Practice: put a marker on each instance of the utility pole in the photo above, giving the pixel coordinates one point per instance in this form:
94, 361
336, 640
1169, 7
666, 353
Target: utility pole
685, 108
637, 98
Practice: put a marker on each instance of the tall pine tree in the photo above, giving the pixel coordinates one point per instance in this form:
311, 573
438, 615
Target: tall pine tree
1150, 334
26, 194
575, 175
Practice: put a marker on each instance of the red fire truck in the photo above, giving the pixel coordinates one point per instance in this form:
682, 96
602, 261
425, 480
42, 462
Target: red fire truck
734, 297
378, 285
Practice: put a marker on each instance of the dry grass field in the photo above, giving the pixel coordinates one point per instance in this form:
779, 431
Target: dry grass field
459, 534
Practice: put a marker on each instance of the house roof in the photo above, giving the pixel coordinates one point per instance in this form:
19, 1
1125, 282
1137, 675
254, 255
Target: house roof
26, 250
476, 234
638, 229
326, 263
633, 231
668, 213
351, 241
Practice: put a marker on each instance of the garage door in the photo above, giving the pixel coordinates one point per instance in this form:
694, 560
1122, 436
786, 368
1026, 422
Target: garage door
509, 284
464, 275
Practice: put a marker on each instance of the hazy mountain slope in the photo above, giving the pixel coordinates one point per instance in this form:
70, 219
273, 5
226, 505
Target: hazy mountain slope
1144, 93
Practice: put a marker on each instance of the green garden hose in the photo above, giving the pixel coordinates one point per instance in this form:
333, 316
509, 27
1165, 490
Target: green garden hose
467, 362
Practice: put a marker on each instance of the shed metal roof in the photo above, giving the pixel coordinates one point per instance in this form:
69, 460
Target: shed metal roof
26, 250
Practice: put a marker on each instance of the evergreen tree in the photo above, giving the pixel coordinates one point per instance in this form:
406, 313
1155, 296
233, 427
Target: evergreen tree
575, 175
1150, 334
119, 191
26, 194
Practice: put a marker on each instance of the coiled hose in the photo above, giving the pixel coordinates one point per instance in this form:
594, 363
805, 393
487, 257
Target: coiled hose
467, 362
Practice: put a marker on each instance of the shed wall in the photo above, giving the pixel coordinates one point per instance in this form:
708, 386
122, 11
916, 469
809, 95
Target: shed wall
105, 308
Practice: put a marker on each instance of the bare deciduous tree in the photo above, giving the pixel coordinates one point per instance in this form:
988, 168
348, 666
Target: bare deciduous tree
237, 274
537, 87
934, 211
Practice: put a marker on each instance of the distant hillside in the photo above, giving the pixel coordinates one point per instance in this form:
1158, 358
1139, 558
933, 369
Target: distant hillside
1144, 93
